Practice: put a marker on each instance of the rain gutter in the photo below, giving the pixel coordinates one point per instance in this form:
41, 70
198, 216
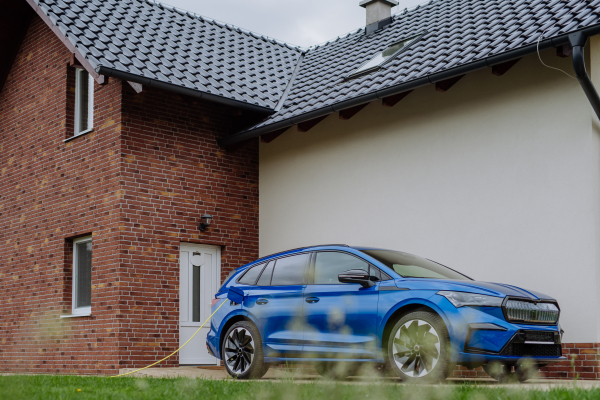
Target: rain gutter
380, 94
111, 72
577, 41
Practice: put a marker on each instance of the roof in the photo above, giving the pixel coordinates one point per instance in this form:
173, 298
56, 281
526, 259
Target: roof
150, 43
455, 33
155, 41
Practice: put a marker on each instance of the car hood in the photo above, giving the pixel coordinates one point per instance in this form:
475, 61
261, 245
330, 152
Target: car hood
491, 289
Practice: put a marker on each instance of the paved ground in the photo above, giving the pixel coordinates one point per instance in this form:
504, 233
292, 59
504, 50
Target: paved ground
276, 375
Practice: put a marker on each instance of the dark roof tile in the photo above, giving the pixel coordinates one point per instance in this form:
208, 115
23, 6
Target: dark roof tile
111, 30
159, 42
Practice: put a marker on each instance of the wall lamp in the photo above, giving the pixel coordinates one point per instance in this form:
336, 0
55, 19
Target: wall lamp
205, 222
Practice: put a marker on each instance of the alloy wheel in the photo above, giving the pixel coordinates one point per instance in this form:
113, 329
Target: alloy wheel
239, 350
416, 348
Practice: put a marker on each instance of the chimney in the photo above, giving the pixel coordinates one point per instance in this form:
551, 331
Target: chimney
379, 13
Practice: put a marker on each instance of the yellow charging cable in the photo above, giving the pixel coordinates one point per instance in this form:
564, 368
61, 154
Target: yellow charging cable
176, 351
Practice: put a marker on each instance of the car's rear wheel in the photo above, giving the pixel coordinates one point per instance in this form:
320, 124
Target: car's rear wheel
336, 370
243, 352
419, 348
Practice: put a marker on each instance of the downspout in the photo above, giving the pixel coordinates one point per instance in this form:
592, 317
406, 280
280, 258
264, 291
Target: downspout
577, 41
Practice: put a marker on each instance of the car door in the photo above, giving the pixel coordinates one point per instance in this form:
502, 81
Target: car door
276, 301
340, 317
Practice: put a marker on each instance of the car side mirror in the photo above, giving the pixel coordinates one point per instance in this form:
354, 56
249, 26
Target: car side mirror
356, 276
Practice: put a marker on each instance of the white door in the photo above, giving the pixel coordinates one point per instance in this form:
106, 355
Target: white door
200, 272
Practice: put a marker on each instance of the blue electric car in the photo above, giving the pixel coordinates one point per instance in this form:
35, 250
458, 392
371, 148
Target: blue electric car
340, 307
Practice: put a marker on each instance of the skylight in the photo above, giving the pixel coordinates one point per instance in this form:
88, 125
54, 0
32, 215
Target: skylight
383, 57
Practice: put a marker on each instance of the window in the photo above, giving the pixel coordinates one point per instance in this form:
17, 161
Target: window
82, 276
84, 102
329, 265
251, 275
265, 278
378, 275
383, 57
290, 270
411, 266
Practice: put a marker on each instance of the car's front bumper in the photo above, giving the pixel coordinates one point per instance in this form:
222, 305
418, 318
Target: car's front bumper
480, 335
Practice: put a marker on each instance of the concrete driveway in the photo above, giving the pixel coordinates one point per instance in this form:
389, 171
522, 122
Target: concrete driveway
309, 376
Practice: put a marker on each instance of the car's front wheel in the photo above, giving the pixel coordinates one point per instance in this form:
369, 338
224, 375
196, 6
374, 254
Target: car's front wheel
419, 348
243, 352
524, 370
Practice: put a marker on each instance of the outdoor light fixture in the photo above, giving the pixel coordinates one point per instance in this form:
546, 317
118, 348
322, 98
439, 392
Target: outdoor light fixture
205, 222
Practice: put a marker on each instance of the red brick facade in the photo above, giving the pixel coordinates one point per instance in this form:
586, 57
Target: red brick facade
138, 183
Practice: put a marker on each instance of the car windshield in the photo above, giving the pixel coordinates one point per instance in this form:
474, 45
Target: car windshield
411, 266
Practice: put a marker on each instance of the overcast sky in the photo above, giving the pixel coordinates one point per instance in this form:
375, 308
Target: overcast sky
300, 22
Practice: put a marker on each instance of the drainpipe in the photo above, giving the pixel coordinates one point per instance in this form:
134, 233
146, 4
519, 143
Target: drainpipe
577, 41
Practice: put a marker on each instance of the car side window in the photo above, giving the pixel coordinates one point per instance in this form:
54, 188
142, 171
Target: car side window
290, 270
378, 275
265, 277
329, 264
250, 277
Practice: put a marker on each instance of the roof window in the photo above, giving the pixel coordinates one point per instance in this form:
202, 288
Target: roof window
382, 58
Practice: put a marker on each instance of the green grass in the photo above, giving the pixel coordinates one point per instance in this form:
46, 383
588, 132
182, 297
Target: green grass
67, 387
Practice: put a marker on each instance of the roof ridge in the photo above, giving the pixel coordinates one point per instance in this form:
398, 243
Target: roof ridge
223, 24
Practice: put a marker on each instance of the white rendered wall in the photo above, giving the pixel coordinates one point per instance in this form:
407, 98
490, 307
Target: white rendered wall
593, 52
498, 178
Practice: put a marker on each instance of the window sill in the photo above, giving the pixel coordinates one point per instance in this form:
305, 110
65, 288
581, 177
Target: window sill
76, 315
79, 135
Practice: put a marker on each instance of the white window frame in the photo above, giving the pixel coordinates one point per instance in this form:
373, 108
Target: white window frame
81, 311
90, 127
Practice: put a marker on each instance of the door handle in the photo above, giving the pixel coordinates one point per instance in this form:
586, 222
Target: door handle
261, 302
312, 300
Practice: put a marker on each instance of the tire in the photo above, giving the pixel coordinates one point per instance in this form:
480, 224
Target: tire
521, 372
418, 348
243, 352
336, 370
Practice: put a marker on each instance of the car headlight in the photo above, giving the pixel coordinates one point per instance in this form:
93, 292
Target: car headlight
461, 299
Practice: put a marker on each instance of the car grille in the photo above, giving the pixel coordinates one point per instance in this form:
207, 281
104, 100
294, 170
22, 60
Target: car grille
533, 344
532, 350
539, 336
530, 312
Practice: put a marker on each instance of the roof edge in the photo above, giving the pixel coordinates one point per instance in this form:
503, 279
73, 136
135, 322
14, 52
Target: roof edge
126, 76
430, 79
85, 63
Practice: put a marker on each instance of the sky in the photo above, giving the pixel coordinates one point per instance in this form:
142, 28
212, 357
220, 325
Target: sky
300, 22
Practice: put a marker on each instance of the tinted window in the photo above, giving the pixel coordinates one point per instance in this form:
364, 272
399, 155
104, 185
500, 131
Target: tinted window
384, 276
411, 266
251, 275
265, 278
289, 270
329, 265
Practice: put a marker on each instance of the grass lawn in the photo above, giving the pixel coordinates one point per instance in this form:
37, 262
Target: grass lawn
72, 387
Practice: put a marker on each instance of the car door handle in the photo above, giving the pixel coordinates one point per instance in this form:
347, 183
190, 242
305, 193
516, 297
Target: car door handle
312, 300
261, 302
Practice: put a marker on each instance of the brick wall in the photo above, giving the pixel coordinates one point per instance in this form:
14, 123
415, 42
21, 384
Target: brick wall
172, 172
584, 363
138, 184
51, 192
